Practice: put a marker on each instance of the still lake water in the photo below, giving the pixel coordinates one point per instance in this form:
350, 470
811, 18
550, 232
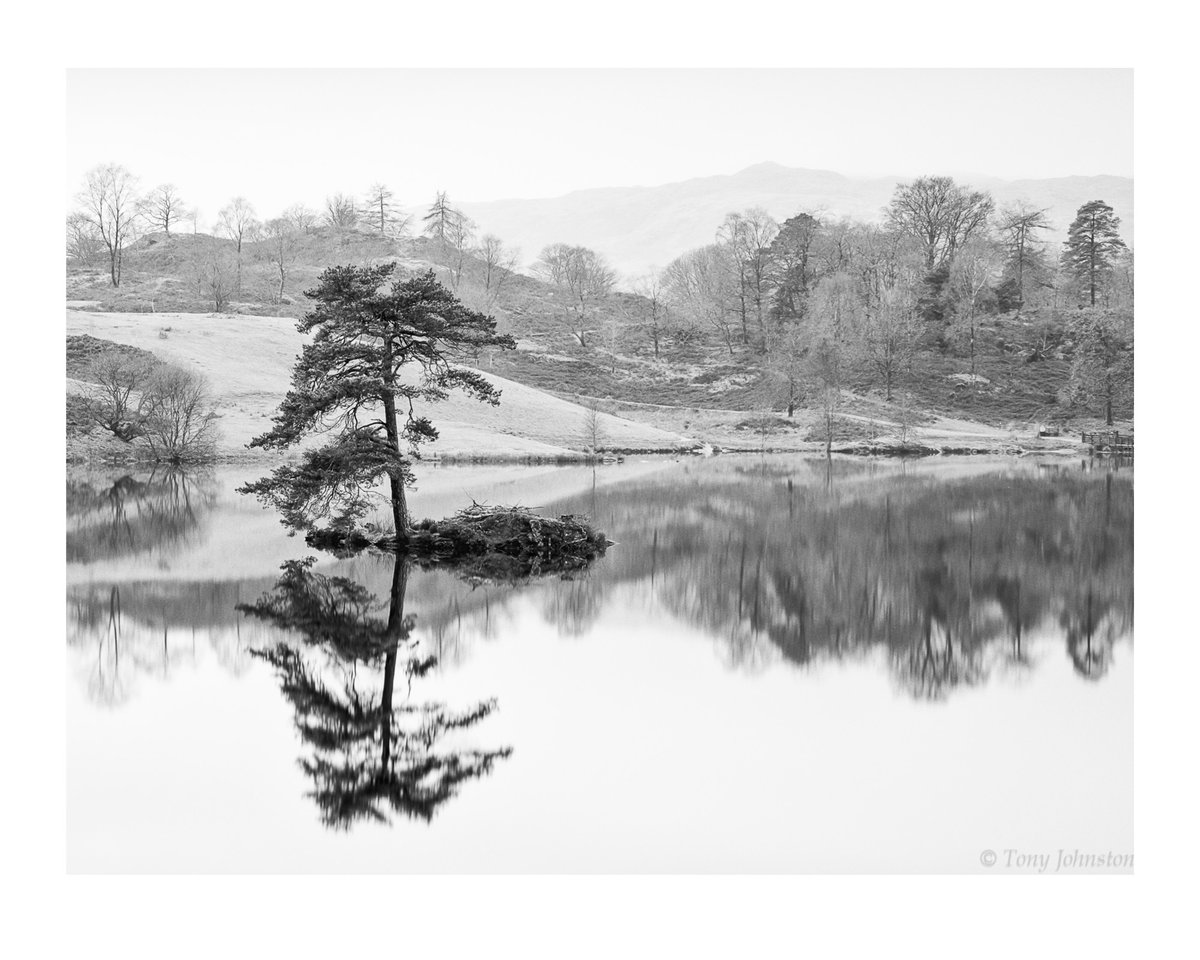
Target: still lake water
782, 665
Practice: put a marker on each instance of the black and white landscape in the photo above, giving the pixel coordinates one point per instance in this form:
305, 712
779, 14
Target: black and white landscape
762, 518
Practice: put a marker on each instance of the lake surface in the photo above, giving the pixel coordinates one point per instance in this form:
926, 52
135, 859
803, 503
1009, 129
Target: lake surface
782, 665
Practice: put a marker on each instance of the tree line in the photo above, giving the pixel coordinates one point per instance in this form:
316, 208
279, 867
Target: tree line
810, 300
112, 212
817, 298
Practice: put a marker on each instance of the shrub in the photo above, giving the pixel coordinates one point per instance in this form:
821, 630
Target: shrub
178, 420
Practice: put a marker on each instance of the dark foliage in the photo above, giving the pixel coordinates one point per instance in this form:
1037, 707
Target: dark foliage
378, 354
367, 755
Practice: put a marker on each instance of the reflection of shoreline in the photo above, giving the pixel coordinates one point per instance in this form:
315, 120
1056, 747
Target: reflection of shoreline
126, 515
949, 578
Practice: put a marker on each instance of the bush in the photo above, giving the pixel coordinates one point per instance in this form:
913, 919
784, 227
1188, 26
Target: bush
178, 420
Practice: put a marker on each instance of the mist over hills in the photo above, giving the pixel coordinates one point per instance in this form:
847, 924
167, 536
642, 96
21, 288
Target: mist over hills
642, 227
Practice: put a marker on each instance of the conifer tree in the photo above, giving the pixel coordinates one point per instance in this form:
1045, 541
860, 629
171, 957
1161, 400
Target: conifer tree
378, 353
1092, 246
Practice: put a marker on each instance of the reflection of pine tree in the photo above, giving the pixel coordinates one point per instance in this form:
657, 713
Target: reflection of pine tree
367, 754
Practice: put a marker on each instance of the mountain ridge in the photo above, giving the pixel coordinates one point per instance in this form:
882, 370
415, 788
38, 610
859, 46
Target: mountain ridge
641, 227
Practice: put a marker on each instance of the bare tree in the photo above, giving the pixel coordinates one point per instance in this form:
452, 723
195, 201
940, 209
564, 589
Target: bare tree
120, 381
302, 218
650, 310
940, 214
703, 283
592, 434
238, 223
748, 236
826, 367
582, 278
498, 262
162, 207
835, 313
281, 243
787, 363
179, 420
109, 201
84, 243
341, 212
456, 247
888, 334
973, 270
214, 272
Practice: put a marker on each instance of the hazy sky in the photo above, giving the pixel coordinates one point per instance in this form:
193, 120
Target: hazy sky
279, 137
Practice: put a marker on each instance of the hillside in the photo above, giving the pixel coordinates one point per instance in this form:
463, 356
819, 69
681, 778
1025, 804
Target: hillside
642, 227
248, 361
694, 384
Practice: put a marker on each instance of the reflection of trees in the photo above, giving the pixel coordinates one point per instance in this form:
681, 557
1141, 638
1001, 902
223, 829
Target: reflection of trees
367, 752
106, 682
574, 605
133, 515
949, 578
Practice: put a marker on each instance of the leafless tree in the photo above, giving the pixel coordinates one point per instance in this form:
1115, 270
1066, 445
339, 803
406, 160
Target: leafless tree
238, 223
281, 244
888, 334
787, 362
838, 306
826, 367
179, 420
582, 278
302, 218
341, 212
650, 310
940, 214
748, 236
214, 272
84, 243
162, 207
593, 434
109, 200
456, 247
120, 381
703, 283
973, 270
498, 262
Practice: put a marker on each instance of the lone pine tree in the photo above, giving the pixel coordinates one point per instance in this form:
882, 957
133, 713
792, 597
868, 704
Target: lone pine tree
378, 352
1092, 245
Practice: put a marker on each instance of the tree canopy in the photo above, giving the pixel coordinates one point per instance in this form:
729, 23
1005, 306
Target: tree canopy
379, 352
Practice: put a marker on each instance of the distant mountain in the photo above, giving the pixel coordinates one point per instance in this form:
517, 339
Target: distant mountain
640, 227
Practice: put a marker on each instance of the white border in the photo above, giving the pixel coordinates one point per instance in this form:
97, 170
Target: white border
600, 916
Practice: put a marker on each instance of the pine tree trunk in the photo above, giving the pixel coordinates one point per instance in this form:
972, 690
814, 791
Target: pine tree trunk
396, 477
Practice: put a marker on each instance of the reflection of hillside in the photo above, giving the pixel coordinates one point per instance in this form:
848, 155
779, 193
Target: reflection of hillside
948, 578
129, 515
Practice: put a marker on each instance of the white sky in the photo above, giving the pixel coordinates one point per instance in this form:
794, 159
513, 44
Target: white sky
281, 136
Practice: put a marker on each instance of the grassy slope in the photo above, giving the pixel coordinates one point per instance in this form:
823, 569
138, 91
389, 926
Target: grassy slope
248, 360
